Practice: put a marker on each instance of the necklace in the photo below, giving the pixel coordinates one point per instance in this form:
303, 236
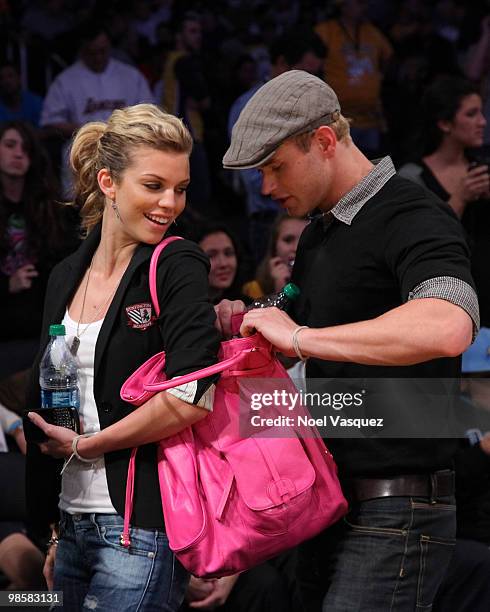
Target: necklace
76, 340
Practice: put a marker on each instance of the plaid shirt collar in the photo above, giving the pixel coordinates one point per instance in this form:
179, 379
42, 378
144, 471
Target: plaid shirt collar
351, 203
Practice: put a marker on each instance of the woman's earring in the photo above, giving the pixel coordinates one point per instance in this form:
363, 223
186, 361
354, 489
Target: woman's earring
175, 222
115, 209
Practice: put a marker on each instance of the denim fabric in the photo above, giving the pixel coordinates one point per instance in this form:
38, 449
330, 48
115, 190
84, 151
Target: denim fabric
388, 554
95, 572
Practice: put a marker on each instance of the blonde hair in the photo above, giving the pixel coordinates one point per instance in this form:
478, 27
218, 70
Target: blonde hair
110, 145
340, 126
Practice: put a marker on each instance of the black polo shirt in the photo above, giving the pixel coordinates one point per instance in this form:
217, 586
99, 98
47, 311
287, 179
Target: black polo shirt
386, 242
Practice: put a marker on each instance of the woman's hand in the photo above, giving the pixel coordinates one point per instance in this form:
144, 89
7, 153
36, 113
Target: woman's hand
280, 272
21, 279
60, 438
475, 185
48, 569
224, 311
20, 439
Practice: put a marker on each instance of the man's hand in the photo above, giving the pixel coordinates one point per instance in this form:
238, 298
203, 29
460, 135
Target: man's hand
199, 589
21, 279
274, 325
224, 311
60, 438
221, 590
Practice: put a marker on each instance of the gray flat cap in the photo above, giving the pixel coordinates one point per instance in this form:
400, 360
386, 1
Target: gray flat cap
292, 103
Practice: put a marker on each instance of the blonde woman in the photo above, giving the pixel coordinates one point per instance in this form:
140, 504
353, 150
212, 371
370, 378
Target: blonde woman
131, 176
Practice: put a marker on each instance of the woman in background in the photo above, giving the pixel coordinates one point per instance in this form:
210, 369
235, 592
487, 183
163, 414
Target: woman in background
224, 252
454, 167
274, 271
35, 233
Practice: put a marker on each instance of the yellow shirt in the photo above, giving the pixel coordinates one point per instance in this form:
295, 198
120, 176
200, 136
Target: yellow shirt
353, 68
253, 290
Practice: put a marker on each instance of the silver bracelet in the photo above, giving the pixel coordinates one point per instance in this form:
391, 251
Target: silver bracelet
74, 444
294, 340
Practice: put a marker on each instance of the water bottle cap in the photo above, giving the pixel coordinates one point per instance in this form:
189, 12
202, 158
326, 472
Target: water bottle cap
57, 330
291, 291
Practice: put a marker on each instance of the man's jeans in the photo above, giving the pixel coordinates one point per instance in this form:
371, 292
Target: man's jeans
95, 572
388, 554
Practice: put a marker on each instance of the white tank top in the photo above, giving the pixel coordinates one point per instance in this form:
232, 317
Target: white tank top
84, 485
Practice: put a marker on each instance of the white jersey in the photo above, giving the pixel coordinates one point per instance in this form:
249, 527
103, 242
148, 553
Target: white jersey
79, 95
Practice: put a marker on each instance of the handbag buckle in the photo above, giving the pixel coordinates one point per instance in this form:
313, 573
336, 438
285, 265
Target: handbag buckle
124, 540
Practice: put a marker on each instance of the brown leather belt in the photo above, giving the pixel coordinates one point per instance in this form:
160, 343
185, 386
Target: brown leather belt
433, 486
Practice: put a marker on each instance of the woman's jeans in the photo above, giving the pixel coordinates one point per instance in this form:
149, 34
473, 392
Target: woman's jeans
388, 554
95, 572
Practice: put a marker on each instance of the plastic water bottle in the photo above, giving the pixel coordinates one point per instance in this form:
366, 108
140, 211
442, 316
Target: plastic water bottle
281, 300
58, 373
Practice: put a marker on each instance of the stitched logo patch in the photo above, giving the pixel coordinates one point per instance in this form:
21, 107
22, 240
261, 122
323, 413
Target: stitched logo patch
140, 315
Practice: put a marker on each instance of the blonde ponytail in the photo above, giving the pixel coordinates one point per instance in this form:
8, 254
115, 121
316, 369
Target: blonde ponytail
85, 164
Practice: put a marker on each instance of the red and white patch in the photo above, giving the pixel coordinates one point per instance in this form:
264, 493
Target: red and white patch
140, 316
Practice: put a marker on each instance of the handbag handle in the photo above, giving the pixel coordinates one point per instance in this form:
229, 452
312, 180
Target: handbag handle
153, 269
192, 376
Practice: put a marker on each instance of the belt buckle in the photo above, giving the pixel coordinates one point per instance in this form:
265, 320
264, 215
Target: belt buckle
441, 484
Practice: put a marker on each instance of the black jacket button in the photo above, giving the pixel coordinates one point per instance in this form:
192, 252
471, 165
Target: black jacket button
106, 406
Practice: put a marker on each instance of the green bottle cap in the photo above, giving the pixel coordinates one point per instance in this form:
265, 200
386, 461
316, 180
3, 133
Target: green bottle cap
291, 291
57, 330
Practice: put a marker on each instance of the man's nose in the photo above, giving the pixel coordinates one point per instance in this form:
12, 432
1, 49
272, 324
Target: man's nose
267, 185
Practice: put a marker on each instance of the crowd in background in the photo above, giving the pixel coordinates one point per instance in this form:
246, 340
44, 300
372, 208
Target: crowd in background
413, 76
196, 58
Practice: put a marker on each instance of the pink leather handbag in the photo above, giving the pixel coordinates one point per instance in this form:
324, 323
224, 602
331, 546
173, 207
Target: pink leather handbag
231, 503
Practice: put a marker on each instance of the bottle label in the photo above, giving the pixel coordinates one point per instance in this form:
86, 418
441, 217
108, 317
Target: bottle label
60, 398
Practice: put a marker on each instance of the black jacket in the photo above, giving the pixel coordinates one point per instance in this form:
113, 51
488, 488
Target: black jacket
185, 328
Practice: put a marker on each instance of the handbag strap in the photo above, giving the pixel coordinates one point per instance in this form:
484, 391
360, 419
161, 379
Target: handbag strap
153, 269
192, 376
221, 366
124, 539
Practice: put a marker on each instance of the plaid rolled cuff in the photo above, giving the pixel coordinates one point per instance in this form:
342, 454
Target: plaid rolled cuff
453, 290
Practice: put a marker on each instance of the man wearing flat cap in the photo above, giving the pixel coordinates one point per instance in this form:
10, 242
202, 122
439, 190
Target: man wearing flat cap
386, 292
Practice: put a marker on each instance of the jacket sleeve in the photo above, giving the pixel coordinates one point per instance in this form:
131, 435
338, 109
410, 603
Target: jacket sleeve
187, 317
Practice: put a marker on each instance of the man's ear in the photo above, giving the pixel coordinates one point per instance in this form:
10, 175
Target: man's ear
326, 140
106, 183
